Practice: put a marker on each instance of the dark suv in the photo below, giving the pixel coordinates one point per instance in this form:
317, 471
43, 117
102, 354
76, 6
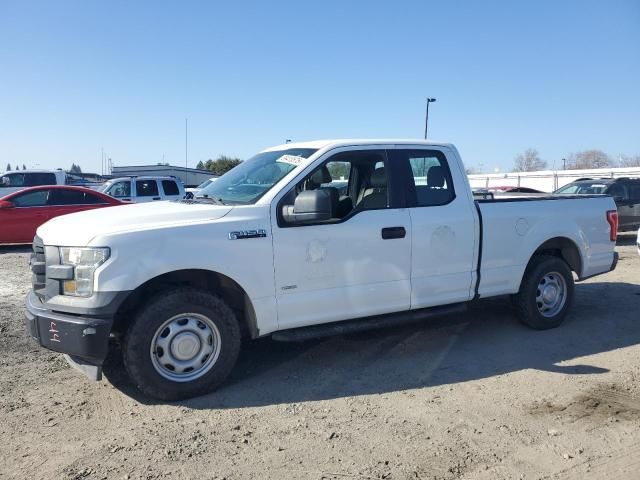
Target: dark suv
625, 192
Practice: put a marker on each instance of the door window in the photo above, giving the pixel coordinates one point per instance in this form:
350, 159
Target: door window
146, 188
15, 179
31, 199
39, 178
66, 197
634, 193
354, 181
617, 190
170, 187
120, 189
430, 177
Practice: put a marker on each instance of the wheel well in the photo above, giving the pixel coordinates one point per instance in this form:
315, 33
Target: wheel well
229, 290
563, 248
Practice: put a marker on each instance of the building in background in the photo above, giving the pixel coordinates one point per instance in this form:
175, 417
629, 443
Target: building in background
191, 177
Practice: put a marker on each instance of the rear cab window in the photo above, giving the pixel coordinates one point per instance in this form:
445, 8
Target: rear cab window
429, 183
170, 187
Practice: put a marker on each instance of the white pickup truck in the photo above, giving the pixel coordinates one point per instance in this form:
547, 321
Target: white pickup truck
302, 240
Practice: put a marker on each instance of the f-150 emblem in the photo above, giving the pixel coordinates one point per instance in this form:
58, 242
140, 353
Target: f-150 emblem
247, 234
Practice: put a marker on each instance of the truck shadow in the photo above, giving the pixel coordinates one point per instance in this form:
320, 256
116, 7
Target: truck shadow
486, 341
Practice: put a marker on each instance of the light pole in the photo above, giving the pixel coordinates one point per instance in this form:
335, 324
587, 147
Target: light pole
426, 121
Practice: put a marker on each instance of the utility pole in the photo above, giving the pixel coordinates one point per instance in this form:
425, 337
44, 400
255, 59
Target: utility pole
186, 163
426, 121
564, 163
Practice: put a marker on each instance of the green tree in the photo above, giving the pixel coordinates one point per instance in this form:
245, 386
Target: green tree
200, 165
24, 167
8, 169
17, 167
222, 164
75, 168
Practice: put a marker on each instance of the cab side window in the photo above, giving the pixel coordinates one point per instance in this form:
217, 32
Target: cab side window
170, 187
634, 192
15, 180
146, 188
430, 178
39, 178
120, 189
346, 184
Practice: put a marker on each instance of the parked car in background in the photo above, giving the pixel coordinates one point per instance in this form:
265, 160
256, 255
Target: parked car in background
625, 192
508, 189
144, 189
13, 181
193, 192
21, 213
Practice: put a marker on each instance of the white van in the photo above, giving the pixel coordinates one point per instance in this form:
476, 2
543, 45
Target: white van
13, 181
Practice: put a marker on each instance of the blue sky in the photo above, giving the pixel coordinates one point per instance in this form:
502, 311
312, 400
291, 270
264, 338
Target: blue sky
559, 76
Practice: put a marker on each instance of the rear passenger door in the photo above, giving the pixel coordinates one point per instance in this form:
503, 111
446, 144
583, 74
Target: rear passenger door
442, 225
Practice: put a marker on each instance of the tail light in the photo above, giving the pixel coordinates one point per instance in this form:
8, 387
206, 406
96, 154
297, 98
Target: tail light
612, 218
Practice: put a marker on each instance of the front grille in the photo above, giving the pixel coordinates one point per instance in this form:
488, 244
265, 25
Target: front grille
38, 268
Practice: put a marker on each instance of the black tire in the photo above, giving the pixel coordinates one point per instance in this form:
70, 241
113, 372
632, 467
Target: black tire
526, 302
136, 348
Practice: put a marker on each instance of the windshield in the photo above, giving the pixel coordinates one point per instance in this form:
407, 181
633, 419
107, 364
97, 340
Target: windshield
582, 188
250, 180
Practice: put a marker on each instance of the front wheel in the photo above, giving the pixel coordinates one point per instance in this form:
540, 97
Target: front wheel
546, 293
181, 344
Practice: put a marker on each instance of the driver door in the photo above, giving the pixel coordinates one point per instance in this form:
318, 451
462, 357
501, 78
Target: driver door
356, 264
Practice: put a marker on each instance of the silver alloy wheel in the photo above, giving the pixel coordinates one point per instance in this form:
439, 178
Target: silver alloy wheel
551, 294
185, 347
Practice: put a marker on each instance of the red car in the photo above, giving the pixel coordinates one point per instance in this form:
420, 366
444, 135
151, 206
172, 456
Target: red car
22, 212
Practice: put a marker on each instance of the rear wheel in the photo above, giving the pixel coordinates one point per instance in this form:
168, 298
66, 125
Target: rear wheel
181, 344
546, 292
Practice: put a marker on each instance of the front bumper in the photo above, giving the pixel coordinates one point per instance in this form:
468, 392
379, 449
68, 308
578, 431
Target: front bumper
84, 340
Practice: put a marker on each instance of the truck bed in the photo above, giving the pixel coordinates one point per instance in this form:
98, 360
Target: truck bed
512, 228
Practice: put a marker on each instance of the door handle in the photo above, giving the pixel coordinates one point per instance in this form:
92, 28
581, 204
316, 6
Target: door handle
156, 198
389, 233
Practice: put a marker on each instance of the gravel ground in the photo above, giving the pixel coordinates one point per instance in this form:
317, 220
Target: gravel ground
473, 396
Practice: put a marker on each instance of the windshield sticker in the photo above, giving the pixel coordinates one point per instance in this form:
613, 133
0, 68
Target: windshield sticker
291, 160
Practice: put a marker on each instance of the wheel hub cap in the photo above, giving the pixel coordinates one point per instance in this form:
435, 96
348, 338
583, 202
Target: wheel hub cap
551, 294
185, 346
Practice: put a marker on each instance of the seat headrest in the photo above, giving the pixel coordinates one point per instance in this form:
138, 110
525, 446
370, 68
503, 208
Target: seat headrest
322, 175
435, 177
378, 178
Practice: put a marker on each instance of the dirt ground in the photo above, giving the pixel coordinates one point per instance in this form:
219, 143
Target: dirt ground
473, 396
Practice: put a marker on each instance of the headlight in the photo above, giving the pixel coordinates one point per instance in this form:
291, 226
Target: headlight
84, 261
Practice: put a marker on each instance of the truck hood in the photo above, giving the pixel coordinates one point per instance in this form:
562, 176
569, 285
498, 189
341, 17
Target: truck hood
78, 229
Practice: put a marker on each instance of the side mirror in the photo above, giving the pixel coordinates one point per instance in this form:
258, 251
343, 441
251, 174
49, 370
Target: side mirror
5, 181
6, 204
309, 206
618, 199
